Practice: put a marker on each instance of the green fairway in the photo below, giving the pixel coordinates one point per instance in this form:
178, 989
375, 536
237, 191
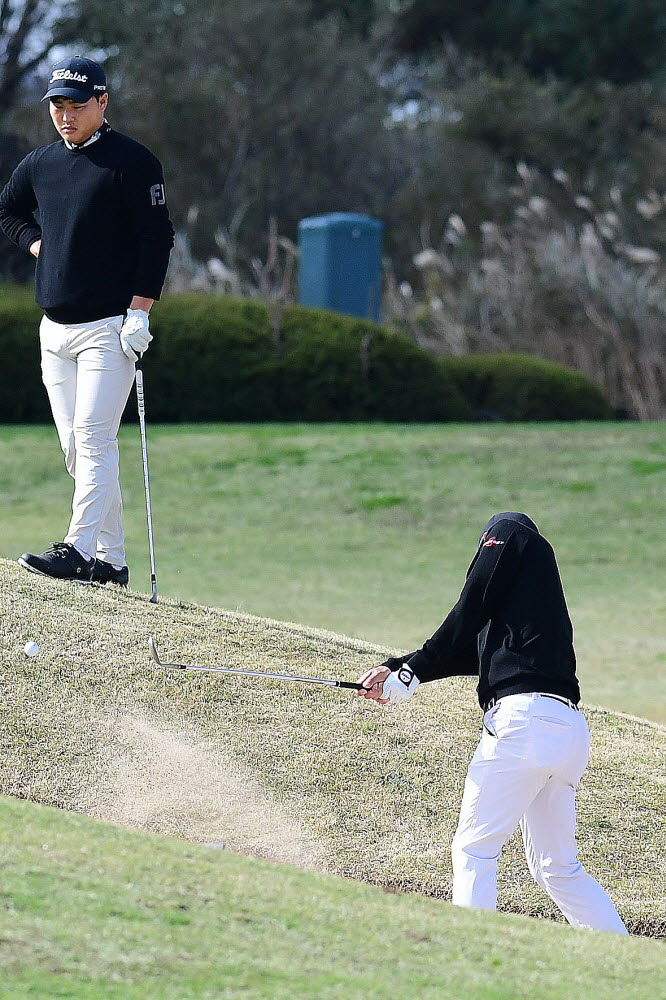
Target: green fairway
94, 912
368, 529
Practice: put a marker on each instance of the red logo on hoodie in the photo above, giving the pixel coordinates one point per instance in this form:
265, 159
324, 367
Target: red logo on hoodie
492, 541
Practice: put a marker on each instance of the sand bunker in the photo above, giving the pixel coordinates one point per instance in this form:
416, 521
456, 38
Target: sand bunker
162, 782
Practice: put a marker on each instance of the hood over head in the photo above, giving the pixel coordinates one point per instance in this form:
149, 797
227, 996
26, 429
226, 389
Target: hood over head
523, 519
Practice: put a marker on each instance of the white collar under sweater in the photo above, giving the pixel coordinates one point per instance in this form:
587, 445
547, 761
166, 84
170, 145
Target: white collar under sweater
76, 146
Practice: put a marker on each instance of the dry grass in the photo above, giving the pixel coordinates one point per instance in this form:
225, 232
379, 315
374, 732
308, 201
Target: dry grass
374, 792
561, 279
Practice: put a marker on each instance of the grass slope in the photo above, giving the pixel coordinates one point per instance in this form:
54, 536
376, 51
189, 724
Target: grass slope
93, 912
92, 725
368, 529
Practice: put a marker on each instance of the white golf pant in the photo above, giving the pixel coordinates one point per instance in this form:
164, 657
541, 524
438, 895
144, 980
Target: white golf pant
88, 380
531, 757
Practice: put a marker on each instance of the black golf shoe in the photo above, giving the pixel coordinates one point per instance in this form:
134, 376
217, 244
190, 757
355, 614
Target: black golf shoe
104, 572
62, 562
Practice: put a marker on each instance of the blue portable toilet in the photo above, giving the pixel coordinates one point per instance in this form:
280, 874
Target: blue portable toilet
340, 263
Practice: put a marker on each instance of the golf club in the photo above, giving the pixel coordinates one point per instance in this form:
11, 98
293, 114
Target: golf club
141, 406
252, 673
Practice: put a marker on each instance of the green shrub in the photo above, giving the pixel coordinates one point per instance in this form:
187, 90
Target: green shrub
210, 360
217, 358
521, 387
335, 367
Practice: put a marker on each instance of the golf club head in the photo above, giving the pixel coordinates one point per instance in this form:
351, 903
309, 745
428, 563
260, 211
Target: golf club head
156, 656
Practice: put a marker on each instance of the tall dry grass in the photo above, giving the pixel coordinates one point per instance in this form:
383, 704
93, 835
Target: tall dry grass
562, 279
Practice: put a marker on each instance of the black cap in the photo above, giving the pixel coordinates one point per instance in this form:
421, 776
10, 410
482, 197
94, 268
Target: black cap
77, 78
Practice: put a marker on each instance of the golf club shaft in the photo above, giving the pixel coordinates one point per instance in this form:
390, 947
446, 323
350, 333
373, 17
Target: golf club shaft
254, 673
268, 676
141, 406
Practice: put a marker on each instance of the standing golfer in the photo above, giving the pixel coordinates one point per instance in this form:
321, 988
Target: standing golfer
511, 627
92, 209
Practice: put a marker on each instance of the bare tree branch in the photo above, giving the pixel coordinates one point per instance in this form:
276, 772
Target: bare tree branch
18, 38
17, 63
4, 14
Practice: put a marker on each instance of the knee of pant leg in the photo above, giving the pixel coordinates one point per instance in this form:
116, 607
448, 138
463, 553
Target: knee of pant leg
94, 441
562, 872
468, 853
69, 451
478, 837
557, 876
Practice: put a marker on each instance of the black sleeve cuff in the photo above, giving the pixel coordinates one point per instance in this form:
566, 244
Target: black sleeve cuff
28, 237
395, 662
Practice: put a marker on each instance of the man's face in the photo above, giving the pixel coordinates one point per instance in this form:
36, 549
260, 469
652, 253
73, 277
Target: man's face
75, 121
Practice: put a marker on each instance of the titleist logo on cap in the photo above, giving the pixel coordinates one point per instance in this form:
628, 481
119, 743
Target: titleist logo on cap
66, 74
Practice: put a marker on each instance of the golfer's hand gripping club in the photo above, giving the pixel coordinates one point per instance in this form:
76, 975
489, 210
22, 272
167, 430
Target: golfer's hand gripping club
381, 685
135, 334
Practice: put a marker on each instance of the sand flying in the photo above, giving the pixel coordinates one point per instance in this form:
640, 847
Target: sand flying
162, 782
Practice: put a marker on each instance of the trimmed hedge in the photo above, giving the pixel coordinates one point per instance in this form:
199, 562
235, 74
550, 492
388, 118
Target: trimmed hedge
521, 387
216, 358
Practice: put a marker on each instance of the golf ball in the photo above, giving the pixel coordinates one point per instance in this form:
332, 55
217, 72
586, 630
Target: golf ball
31, 648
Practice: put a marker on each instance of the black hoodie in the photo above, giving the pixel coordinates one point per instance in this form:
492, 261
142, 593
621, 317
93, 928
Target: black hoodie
510, 625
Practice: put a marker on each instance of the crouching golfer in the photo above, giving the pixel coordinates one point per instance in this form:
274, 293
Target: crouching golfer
512, 628
91, 208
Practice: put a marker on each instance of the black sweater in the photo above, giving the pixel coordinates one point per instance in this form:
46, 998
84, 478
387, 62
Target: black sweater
510, 625
101, 214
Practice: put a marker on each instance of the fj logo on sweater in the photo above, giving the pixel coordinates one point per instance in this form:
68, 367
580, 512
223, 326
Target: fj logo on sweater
157, 195
492, 541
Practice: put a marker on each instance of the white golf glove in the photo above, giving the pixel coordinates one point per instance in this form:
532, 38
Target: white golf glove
400, 685
134, 334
